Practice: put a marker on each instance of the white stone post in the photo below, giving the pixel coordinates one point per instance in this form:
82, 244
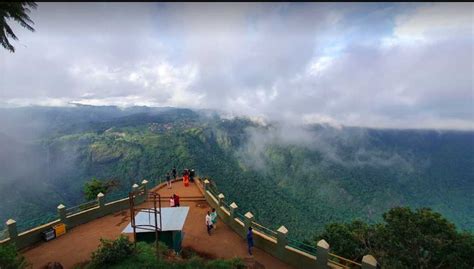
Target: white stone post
145, 185
100, 199
282, 233
369, 262
221, 198
62, 213
322, 254
135, 187
206, 185
233, 210
248, 220
12, 230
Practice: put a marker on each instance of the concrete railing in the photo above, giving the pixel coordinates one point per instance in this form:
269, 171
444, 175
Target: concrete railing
101, 208
275, 243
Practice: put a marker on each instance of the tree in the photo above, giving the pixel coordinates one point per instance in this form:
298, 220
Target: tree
95, 186
407, 239
424, 239
17, 11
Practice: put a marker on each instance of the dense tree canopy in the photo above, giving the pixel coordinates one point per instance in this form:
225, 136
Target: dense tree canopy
405, 239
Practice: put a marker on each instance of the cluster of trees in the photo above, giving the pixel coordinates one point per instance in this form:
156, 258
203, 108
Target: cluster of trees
405, 239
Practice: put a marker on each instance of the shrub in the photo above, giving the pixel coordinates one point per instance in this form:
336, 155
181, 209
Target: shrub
10, 258
111, 252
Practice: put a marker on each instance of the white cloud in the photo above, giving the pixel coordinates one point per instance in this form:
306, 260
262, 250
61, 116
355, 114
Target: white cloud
432, 22
381, 66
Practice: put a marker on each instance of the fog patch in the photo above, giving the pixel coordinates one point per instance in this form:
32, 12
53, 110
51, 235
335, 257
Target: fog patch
348, 147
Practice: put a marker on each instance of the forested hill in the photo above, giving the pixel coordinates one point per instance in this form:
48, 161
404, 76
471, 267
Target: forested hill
300, 177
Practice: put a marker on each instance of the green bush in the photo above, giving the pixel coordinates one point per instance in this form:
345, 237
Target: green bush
111, 252
10, 258
120, 254
94, 187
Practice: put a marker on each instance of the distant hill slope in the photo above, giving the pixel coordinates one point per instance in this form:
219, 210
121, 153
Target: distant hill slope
300, 177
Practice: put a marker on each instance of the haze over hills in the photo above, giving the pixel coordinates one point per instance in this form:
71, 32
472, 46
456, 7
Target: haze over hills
316, 173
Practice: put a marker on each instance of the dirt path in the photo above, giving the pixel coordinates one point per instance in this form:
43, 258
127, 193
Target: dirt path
78, 244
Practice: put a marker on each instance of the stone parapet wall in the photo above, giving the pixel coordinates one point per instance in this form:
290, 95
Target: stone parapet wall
33, 236
272, 242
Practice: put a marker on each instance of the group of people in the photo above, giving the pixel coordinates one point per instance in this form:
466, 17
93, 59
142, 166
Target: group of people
188, 176
211, 220
211, 216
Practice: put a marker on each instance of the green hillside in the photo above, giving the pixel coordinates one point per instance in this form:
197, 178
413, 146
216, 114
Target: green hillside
300, 177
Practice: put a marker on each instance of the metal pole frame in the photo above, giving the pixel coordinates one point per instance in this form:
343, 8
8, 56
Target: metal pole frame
156, 210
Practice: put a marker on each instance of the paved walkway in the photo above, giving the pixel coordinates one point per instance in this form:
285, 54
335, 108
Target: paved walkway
77, 244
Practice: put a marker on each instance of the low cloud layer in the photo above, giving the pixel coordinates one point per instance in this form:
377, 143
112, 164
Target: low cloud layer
377, 65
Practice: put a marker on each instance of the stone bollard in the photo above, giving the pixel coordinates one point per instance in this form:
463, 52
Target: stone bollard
145, 185
322, 254
233, 210
282, 233
248, 220
221, 198
135, 187
62, 213
12, 230
101, 199
369, 262
206, 185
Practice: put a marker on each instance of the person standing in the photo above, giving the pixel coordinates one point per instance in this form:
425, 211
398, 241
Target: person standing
186, 177
214, 218
171, 201
191, 175
208, 223
174, 173
168, 180
176, 200
250, 240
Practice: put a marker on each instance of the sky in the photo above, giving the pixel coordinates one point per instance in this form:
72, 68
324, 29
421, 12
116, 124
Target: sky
383, 65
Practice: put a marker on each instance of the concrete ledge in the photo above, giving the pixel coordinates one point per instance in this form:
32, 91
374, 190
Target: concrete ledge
299, 252
214, 199
92, 209
225, 211
264, 236
32, 236
116, 201
239, 222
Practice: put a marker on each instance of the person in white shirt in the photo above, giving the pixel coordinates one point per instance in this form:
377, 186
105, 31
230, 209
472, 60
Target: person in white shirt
208, 223
171, 201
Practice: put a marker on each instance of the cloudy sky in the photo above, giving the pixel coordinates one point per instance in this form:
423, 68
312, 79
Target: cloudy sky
376, 65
